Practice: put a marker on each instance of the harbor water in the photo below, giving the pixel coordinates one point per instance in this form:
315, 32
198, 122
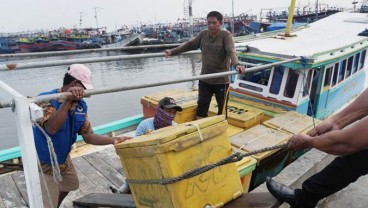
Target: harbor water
102, 108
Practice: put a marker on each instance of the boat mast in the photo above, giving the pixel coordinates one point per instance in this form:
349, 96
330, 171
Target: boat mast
290, 18
232, 18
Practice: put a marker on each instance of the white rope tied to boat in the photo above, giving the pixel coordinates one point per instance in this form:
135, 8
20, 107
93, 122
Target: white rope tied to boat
53, 157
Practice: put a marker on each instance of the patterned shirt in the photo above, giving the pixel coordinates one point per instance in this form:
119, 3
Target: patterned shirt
48, 110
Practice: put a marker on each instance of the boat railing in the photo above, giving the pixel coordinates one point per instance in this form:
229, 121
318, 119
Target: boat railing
26, 112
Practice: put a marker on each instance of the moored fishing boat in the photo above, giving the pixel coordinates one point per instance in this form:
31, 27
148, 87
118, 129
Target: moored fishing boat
274, 90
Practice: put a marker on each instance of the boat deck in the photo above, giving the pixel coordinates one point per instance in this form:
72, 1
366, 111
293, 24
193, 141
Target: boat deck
98, 170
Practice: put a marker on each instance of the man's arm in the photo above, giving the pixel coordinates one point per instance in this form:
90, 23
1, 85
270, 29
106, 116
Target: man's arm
337, 142
230, 50
53, 123
193, 44
353, 112
96, 139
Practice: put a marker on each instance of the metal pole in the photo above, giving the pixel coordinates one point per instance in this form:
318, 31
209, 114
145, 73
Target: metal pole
95, 8
316, 10
64, 95
56, 53
27, 146
84, 60
232, 18
290, 18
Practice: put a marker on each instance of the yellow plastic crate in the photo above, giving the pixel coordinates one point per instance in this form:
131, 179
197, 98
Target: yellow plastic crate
172, 151
245, 168
187, 99
238, 114
259, 137
292, 122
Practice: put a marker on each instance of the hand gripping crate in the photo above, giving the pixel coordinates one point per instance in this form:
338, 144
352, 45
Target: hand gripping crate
169, 152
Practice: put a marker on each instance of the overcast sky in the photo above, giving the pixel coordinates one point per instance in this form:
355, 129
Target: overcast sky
21, 15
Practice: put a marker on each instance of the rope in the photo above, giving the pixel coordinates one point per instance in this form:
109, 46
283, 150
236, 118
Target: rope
197, 171
53, 157
198, 130
45, 184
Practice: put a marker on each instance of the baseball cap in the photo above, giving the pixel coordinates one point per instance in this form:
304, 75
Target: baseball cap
81, 73
168, 102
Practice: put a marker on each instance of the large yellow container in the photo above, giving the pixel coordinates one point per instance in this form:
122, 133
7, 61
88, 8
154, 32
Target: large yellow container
172, 151
187, 99
245, 168
292, 122
239, 114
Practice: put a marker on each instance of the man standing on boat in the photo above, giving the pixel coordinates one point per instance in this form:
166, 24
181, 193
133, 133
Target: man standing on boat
217, 48
334, 137
62, 121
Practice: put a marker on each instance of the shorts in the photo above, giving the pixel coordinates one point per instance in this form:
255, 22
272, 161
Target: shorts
69, 181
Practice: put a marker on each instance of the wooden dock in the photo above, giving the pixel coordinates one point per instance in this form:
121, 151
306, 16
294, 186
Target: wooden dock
96, 172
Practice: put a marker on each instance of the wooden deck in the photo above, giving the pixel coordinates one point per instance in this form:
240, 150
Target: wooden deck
96, 172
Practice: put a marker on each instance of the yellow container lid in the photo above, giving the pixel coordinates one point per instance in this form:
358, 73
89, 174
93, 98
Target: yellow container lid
258, 137
178, 137
183, 97
292, 122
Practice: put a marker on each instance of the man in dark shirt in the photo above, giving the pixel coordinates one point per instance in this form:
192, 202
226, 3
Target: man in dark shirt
217, 47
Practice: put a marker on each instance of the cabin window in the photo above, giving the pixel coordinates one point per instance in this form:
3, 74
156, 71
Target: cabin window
362, 59
356, 62
342, 70
308, 83
277, 79
349, 67
258, 77
291, 82
335, 73
328, 76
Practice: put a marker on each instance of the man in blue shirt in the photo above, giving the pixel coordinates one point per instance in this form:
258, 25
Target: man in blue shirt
164, 116
62, 121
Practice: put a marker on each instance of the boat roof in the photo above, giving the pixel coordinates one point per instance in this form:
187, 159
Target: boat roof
333, 32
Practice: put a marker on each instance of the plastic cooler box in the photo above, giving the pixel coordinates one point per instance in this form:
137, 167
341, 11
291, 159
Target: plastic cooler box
268, 163
187, 99
238, 114
169, 152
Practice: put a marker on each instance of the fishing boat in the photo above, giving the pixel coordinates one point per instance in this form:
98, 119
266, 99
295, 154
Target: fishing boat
292, 81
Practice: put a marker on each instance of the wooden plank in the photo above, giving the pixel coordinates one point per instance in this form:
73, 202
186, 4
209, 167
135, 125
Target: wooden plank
253, 200
106, 170
106, 200
10, 193
88, 186
92, 174
20, 182
110, 157
73, 195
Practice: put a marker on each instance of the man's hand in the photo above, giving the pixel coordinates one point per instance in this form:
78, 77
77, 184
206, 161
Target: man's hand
299, 141
324, 127
168, 52
77, 93
118, 140
240, 68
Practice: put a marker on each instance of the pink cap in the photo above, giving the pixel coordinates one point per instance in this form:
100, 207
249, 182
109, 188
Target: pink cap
81, 73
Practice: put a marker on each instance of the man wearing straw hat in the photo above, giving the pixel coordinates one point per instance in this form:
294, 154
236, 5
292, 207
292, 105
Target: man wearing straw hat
217, 49
57, 131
